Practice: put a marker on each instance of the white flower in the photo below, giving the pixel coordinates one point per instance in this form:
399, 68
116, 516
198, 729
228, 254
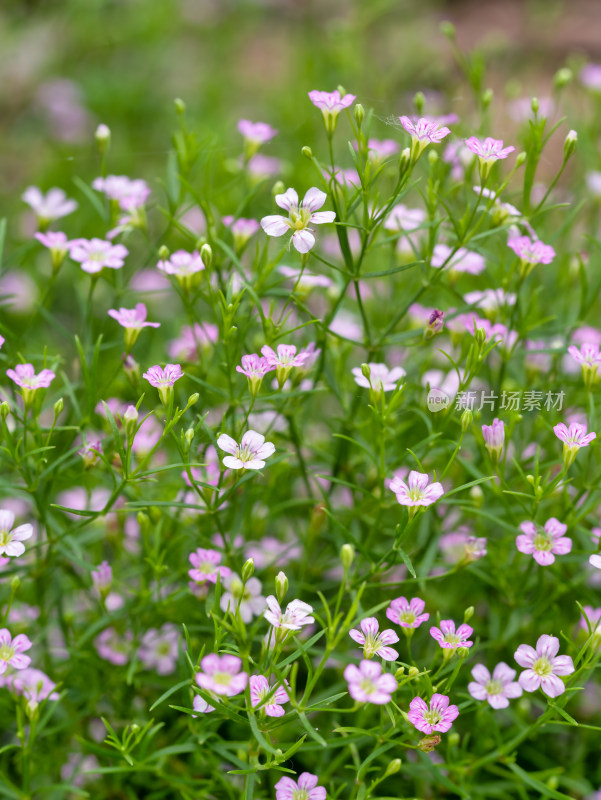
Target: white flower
11, 540
249, 454
296, 616
299, 217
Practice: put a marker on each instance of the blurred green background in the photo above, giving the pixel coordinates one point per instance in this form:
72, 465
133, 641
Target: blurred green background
67, 65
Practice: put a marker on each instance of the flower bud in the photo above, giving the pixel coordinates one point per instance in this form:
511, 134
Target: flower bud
4, 409
487, 97
359, 113
432, 157
466, 420
188, 437
520, 159
281, 585
103, 138
419, 101
366, 371
480, 336
347, 555
206, 254
553, 782
435, 323
307, 152
278, 188
463, 652
163, 253
180, 106
428, 743
562, 77
468, 613
393, 767
477, 496
58, 407
405, 159
130, 419
569, 144
143, 522
400, 673
193, 399
413, 672
448, 29
534, 105
15, 582
248, 569
453, 739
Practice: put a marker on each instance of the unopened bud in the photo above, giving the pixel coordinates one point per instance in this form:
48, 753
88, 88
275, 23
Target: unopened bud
530, 479
477, 496
143, 522
435, 324
4, 409
553, 782
521, 159
193, 399
359, 113
393, 767
433, 157
189, 436
347, 555
413, 672
400, 673
534, 105
163, 252
448, 29
15, 582
248, 569
463, 652
130, 418
453, 739
366, 371
419, 101
281, 585
103, 138
278, 188
468, 613
480, 336
428, 743
487, 97
180, 106
307, 152
58, 407
569, 144
563, 77
405, 159
466, 420
206, 253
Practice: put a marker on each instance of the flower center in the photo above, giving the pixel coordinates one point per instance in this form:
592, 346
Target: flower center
408, 617
367, 686
494, 687
300, 794
415, 494
452, 638
163, 649
5, 537
222, 678
371, 646
542, 667
543, 542
432, 717
6, 652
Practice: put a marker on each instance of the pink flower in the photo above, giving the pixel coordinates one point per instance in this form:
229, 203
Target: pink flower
102, 578
300, 217
54, 205
33, 684
330, 104
460, 546
573, 439
270, 551
373, 642
256, 132
407, 614
498, 689
424, 130
222, 675
542, 545
489, 150
591, 620
200, 704
24, 376
183, 265
417, 491
242, 599
448, 638
158, 649
543, 666
242, 229
192, 339
114, 648
260, 690
249, 454
380, 149
11, 651
589, 357
438, 717
95, 254
261, 167
284, 360
130, 194
133, 318
303, 280
410, 221
11, 540
207, 566
57, 243
381, 378
296, 616
531, 252
494, 438
254, 368
590, 76
163, 379
305, 789
461, 260
367, 684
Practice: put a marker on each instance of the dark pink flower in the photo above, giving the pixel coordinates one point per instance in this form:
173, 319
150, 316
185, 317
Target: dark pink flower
305, 789
573, 439
254, 368
407, 614
497, 688
373, 642
266, 696
367, 684
494, 438
24, 376
489, 149
530, 251
206, 566
33, 684
425, 131
543, 666
449, 638
436, 718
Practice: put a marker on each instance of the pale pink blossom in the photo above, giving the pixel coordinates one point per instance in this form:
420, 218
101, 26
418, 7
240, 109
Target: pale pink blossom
543, 545
95, 254
53, 205
531, 251
416, 491
56, 242
182, 264
12, 649
300, 216
270, 551
158, 649
11, 539
249, 454
409, 221
381, 377
33, 684
266, 696
206, 566
425, 130
438, 717
449, 638
593, 182
373, 642
114, 648
331, 104
296, 616
381, 149
590, 76
595, 561
457, 259
494, 438
261, 167
222, 675
573, 439
192, 340
305, 789
461, 546
133, 318
129, 194
407, 614
488, 150
497, 688
303, 280
543, 666
102, 578
256, 132
590, 620
200, 704
243, 599
367, 683
242, 229
163, 378
24, 376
